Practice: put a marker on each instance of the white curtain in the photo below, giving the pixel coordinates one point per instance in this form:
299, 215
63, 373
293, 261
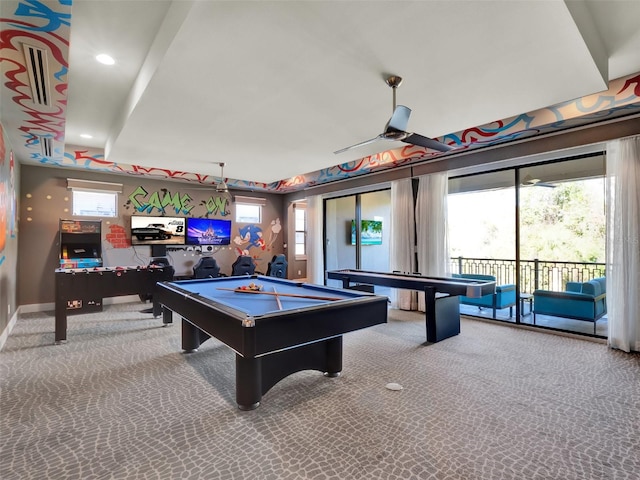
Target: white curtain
431, 227
315, 261
623, 243
402, 236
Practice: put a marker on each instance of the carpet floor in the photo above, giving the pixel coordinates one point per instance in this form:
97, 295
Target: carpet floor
121, 401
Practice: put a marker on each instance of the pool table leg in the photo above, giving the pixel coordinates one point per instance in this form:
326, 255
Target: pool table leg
248, 382
256, 375
192, 336
334, 357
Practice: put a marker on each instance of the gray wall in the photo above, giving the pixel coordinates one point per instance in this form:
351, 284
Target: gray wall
45, 200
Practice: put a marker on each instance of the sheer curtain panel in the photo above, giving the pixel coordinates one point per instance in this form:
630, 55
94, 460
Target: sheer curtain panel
431, 227
315, 261
402, 238
623, 243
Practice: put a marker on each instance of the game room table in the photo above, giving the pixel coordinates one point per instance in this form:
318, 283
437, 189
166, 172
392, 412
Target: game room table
78, 286
285, 328
442, 305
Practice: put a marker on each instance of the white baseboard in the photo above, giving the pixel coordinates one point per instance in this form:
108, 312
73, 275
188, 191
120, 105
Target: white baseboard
123, 299
37, 307
5, 334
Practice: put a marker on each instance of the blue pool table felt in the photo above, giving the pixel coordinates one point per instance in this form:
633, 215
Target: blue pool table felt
260, 304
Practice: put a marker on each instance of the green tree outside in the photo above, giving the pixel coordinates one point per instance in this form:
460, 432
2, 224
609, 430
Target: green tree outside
566, 223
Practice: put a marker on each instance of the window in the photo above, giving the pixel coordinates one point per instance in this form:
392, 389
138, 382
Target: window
301, 231
95, 204
94, 199
248, 213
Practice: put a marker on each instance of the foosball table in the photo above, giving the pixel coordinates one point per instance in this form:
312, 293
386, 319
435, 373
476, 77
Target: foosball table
78, 286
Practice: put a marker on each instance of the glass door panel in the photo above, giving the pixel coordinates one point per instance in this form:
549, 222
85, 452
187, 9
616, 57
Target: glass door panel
339, 251
482, 238
376, 222
376, 235
562, 242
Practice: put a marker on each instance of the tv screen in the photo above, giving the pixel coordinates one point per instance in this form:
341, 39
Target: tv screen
157, 230
208, 231
371, 232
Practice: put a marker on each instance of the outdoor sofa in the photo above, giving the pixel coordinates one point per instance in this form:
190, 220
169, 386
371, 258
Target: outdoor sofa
581, 301
503, 297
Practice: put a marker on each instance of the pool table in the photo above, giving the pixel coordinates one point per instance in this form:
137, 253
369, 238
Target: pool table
442, 306
272, 335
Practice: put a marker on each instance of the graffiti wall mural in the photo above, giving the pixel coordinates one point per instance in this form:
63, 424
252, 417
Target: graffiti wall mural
258, 241
47, 25
4, 198
39, 26
622, 98
163, 202
8, 213
251, 238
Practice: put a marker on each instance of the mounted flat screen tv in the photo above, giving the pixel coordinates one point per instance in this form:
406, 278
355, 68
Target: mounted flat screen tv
371, 232
147, 230
208, 231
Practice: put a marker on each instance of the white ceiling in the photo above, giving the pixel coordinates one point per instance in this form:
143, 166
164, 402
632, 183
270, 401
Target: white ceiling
273, 88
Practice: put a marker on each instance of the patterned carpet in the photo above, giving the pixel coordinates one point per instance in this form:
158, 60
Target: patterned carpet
120, 401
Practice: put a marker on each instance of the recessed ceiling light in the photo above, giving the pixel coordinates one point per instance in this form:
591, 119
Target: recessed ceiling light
106, 59
86, 135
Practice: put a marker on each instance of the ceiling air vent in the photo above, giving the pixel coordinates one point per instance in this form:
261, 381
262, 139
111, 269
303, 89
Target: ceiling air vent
36, 64
46, 143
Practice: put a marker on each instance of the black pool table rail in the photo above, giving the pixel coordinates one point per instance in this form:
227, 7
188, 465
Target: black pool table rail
249, 320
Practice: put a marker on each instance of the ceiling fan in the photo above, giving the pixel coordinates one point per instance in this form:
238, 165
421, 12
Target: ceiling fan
529, 181
396, 127
222, 186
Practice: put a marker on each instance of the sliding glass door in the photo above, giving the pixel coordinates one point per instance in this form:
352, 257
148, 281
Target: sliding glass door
562, 244
542, 241
348, 245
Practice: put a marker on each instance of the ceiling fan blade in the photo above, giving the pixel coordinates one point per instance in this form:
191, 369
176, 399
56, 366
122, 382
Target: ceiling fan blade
529, 181
416, 139
395, 129
399, 120
366, 142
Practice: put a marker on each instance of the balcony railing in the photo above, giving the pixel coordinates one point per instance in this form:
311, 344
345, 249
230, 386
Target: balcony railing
548, 275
